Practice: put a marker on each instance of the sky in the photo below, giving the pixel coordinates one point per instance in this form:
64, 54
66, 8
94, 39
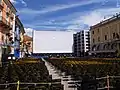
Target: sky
64, 15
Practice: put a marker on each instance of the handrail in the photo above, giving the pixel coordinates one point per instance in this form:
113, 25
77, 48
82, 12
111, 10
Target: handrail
22, 83
107, 77
108, 82
4, 20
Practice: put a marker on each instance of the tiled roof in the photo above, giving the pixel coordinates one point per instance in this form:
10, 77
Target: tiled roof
27, 38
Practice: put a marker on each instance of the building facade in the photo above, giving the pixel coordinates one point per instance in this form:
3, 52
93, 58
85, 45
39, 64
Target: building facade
105, 37
81, 43
18, 38
7, 25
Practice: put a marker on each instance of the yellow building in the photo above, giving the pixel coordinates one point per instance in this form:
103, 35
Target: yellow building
105, 37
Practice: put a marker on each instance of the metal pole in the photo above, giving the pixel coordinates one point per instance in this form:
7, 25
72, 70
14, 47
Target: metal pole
18, 83
108, 83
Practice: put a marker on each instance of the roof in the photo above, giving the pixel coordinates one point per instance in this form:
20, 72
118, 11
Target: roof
114, 18
18, 22
11, 5
27, 38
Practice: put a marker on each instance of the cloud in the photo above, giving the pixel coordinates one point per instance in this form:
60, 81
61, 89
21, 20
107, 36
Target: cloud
13, 1
92, 18
23, 2
57, 7
75, 21
98, 15
28, 31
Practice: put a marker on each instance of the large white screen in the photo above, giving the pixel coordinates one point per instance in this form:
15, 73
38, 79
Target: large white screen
52, 42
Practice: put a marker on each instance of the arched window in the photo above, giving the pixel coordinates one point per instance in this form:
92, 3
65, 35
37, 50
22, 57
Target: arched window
94, 48
105, 47
98, 47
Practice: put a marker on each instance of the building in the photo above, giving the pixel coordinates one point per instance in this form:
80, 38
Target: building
7, 25
105, 37
22, 52
18, 38
28, 44
81, 43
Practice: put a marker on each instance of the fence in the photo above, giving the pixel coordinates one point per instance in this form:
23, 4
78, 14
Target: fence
108, 87
22, 83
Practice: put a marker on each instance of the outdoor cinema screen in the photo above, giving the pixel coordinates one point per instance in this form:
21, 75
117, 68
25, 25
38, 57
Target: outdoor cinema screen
52, 42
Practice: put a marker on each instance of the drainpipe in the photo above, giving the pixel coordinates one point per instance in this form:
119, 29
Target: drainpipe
0, 56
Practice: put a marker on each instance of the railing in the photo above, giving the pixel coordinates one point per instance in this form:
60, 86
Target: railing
108, 87
22, 83
3, 20
1, 4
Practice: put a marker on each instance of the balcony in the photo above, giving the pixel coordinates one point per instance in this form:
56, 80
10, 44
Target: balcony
1, 5
5, 23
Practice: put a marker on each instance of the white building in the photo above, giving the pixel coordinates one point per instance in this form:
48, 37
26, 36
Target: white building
81, 43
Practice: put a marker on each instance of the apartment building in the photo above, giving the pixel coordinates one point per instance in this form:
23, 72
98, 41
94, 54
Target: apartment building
105, 37
81, 44
7, 25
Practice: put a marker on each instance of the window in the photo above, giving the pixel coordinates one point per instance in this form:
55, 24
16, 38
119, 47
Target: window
93, 40
87, 35
92, 32
0, 13
98, 39
87, 41
2, 38
105, 37
113, 35
87, 44
82, 32
87, 38
98, 30
7, 16
87, 47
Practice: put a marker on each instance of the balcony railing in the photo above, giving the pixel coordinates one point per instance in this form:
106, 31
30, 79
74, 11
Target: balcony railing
1, 4
4, 22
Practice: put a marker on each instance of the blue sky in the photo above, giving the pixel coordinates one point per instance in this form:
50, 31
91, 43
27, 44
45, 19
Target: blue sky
64, 14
